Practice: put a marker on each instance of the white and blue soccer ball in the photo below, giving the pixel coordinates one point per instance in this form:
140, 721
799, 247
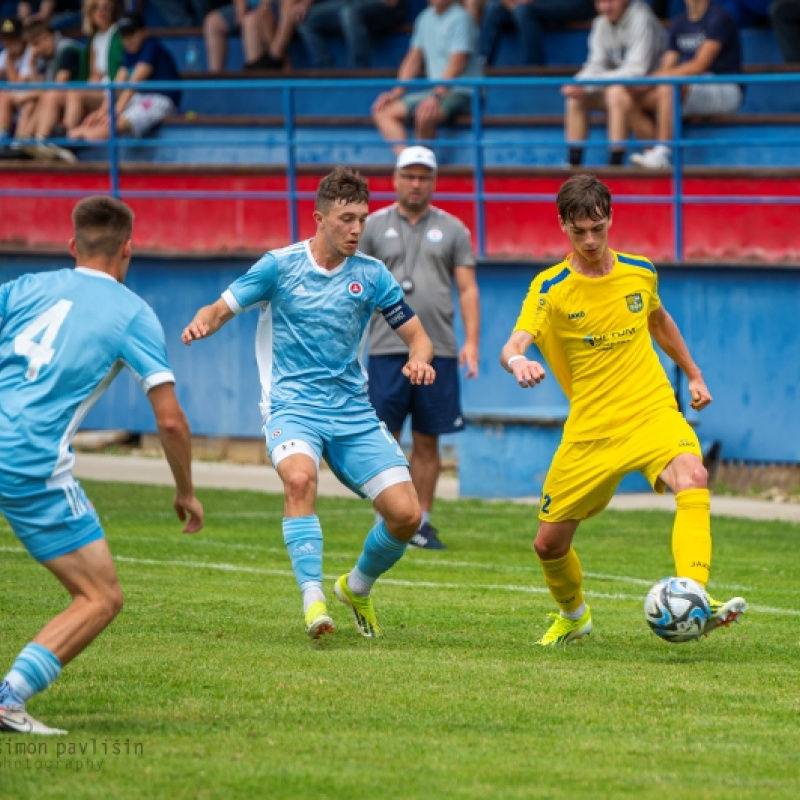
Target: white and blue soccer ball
677, 609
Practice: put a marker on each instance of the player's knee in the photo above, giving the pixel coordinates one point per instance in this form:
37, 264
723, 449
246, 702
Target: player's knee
695, 476
402, 520
297, 484
108, 603
549, 549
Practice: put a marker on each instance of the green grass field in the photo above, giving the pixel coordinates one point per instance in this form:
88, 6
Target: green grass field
207, 687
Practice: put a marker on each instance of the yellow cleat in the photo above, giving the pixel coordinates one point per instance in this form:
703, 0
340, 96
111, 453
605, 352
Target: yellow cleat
318, 623
363, 610
563, 630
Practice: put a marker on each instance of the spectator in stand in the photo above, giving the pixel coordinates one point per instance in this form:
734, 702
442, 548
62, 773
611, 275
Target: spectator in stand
101, 57
748, 13
265, 40
57, 12
785, 16
136, 112
359, 21
444, 46
529, 18
184, 13
703, 41
221, 23
475, 10
57, 60
16, 66
626, 41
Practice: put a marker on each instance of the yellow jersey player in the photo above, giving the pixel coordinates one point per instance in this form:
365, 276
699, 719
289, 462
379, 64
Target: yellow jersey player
594, 317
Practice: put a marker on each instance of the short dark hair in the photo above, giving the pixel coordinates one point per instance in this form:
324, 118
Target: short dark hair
342, 185
102, 225
583, 196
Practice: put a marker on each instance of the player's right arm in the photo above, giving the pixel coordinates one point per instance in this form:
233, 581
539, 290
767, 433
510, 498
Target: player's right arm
533, 321
513, 359
176, 438
207, 321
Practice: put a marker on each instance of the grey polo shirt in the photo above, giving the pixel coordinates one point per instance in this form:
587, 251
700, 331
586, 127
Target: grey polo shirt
426, 253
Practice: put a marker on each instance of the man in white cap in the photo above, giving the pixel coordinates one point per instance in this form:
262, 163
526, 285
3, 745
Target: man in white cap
428, 251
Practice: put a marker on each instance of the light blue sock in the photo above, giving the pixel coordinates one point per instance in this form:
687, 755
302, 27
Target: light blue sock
33, 671
303, 539
381, 552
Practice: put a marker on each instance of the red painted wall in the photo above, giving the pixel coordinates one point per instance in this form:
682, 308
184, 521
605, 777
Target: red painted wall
514, 229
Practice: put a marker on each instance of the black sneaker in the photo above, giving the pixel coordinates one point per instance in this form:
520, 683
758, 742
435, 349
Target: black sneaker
427, 538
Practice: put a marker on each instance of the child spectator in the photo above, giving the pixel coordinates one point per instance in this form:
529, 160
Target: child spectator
57, 60
136, 112
16, 66
703, 41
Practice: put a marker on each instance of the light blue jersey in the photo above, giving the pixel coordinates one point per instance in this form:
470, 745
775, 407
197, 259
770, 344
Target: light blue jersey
64, 336
312, 326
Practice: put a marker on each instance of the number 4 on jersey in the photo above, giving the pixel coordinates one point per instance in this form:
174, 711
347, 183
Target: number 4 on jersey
41, 352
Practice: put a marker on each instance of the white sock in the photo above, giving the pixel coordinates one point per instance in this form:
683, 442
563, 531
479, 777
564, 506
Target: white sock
357, 584
426, 517
576, 614
313, 594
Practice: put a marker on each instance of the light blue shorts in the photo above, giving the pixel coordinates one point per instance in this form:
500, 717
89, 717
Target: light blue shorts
359, 449
50, 518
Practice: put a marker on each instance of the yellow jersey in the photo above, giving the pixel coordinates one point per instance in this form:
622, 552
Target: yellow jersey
593, 334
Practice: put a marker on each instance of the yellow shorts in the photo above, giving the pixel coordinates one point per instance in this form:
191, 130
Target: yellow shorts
583, 476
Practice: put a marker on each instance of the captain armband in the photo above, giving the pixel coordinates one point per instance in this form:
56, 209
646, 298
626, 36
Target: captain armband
398, 314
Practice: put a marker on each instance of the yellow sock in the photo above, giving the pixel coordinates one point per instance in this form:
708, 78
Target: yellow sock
691, 535
564, 579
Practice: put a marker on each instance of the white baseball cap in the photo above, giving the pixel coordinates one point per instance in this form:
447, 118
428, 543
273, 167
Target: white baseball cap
416, 155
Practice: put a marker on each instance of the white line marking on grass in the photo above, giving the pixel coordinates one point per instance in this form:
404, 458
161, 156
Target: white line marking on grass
285, 573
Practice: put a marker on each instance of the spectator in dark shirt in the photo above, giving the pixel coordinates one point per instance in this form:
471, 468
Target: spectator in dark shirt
359, 21
703, 41
529, 18
137, 112
785, 16
56, 60
185, 13
56, 12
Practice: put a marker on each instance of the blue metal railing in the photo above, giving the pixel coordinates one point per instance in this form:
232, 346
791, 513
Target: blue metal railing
479, 142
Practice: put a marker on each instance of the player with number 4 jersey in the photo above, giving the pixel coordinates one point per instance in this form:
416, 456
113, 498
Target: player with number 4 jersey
64, 335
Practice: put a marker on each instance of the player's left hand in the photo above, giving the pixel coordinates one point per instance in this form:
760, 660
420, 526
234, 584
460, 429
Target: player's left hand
419, 372
699, 393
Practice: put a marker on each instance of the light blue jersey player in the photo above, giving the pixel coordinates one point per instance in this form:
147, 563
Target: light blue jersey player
315, 300
64, 335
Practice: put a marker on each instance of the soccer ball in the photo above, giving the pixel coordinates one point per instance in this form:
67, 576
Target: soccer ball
676, 609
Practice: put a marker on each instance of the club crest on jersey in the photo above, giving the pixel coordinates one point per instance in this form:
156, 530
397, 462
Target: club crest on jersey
276, 433
435, 235
355, 289
635, 302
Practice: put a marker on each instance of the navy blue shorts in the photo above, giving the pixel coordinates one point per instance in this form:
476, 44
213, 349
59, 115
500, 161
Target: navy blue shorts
434, 409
